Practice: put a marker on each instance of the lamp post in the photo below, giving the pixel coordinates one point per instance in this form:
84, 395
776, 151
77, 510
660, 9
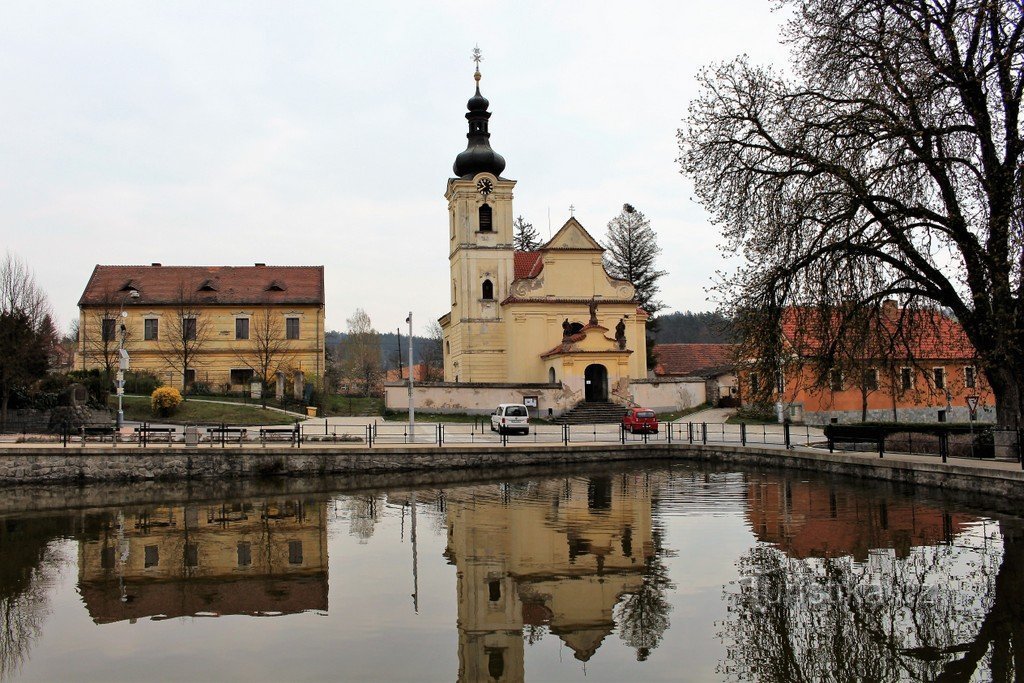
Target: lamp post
412, 410
122, 358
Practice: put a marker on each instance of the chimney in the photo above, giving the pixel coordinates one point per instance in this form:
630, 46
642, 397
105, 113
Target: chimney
890, 311
155, 265
259, 265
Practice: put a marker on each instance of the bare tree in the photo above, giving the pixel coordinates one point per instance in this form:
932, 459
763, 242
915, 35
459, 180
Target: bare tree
892, 157
269, 351
23, 312
102, 331
188, 331
360, 352
433, 353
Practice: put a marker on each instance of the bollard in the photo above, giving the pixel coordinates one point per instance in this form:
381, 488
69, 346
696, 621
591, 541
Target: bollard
881, 445
743, 433
944, 445
704, 432
565, 434
785, 435
440, 434
622, 434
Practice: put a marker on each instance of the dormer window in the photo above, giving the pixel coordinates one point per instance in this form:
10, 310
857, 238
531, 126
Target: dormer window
487, 291
128, 287
275, 286
485, 218
207, 286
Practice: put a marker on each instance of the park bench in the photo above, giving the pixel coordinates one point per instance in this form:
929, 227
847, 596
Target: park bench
98, 430
223, 432
278, 433
145, 431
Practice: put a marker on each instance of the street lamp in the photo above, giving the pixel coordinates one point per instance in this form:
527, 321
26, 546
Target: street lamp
122, 358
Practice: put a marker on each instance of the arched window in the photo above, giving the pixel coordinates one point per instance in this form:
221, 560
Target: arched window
485, 218
487, 291
551, 375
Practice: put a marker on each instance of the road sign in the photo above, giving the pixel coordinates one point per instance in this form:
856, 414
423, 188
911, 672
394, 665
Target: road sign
972, 403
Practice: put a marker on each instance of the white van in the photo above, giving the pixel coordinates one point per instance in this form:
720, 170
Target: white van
510, 417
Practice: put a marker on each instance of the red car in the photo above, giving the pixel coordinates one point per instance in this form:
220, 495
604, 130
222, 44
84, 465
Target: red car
640, 420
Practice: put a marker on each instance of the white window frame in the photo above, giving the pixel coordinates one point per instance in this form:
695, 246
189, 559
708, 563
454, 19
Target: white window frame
973, 384
935, 377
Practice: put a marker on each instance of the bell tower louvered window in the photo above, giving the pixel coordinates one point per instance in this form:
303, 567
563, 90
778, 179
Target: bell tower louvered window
486, 224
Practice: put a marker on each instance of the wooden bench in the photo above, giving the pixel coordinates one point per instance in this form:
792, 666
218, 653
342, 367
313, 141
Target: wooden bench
241, 432
145, 431
98, 430
273, 432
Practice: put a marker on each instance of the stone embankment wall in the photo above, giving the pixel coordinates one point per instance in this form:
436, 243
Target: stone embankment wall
54, 465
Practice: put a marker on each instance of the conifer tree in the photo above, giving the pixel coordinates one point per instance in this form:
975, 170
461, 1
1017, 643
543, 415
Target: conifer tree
525, 237
631, 249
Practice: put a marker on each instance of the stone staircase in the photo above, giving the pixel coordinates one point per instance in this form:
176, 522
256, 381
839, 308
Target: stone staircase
592, 412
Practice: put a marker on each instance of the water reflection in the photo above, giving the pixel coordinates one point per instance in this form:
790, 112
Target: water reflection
257, 558
644, 573
558, 564
854, 585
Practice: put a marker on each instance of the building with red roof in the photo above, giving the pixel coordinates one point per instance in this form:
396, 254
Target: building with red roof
914, 366
220, 326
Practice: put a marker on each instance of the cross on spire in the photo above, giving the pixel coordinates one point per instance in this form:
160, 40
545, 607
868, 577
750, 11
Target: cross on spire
572, 210
477, 57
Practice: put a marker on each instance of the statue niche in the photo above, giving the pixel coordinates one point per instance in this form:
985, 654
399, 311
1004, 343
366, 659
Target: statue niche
620, 334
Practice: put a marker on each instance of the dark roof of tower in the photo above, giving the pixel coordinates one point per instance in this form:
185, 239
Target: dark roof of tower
478, 157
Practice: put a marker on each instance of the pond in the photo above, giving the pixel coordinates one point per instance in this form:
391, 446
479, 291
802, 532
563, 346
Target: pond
656, 572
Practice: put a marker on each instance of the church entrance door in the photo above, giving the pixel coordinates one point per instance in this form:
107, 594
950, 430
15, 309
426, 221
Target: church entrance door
596, 379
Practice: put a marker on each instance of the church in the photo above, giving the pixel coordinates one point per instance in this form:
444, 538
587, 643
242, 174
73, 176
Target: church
548, 316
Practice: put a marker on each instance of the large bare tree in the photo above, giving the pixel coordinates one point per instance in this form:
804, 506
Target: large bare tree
269, 351
187, 330
102, 331
24, 312
889, 158
360, 352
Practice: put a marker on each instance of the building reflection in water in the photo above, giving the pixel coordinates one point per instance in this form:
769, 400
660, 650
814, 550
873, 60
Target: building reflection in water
256, 558
553, 556
858, 584
812, 519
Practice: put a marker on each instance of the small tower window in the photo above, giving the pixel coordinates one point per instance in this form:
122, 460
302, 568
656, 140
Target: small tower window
485, 218
488, 291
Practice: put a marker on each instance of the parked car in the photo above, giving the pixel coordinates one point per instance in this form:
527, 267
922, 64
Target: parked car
640, 420
510, 417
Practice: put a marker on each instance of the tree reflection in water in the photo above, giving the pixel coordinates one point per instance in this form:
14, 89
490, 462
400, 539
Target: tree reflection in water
946, 610
27, 571
643, 616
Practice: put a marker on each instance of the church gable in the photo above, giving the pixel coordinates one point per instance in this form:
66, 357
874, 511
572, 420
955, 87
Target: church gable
574, 236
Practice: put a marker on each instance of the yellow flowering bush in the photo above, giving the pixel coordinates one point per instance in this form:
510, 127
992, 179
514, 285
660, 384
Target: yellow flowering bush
165, 401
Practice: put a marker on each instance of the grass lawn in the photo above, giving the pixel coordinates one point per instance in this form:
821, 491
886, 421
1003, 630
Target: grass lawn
676, 414
196, 412
349, 406
741, 420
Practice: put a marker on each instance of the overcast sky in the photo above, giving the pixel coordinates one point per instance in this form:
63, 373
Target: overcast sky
221, 133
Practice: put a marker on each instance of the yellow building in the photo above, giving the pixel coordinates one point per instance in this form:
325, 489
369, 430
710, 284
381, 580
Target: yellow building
257, 558
222, 326
544, 317
561, 566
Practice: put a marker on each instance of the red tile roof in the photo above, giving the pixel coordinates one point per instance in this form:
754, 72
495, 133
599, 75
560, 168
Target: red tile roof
685, 359
927, 334
528, 264
162, 285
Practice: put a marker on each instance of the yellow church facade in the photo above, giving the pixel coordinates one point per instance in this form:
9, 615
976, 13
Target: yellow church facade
548, 316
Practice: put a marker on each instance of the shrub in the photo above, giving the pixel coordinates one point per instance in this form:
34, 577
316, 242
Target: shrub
165, 401
141, 382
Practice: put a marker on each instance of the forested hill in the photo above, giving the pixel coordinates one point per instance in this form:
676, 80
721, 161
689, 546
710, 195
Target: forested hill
693, 328
388, 347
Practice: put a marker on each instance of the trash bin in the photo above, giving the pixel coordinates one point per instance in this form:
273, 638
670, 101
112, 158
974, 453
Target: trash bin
311, 411
191, 436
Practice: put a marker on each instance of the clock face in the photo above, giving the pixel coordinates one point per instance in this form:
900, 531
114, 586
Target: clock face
484, 186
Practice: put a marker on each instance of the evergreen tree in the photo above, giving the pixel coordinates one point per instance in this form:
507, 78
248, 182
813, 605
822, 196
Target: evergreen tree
631, 248
525, 237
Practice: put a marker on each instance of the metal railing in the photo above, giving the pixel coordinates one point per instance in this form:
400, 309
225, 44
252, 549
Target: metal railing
1005, 444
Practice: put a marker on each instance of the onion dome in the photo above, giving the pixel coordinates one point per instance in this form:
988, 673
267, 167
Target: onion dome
478, 156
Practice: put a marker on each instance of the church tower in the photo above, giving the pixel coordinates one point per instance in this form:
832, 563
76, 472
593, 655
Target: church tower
480, 254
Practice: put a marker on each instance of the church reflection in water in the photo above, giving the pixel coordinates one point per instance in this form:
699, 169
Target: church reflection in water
559, 563
254, 558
